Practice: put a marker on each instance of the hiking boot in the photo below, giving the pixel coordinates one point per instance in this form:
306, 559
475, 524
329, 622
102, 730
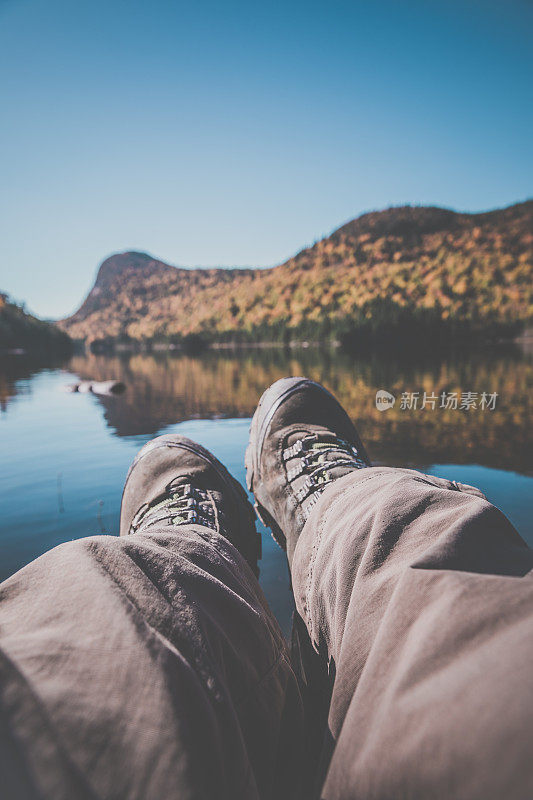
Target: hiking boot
301, 439
175, 481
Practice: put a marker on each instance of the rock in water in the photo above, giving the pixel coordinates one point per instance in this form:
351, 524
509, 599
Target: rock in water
97, 387
108, 387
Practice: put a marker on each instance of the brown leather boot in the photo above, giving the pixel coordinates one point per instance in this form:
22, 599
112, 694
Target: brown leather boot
175, 481
301, 439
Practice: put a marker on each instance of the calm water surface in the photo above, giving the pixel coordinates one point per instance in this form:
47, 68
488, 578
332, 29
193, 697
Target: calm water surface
65, 456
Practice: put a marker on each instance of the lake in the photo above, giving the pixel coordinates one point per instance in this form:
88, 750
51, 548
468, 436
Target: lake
65, 456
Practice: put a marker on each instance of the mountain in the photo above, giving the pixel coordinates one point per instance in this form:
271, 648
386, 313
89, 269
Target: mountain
405, 270
23, 332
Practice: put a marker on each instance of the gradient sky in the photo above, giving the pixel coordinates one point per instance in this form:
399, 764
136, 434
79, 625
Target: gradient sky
235, 133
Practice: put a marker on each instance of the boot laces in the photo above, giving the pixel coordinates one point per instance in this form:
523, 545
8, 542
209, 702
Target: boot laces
181, 504
320, 457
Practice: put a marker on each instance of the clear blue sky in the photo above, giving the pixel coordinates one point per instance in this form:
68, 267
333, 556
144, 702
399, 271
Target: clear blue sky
235, 133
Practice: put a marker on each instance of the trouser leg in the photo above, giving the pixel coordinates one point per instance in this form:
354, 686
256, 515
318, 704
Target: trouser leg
147, 666
417, 592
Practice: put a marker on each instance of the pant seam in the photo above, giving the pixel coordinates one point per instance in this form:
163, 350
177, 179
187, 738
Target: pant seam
316, 544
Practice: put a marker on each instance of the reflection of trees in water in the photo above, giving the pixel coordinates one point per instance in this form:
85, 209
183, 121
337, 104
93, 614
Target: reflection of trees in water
16, 372
166, 389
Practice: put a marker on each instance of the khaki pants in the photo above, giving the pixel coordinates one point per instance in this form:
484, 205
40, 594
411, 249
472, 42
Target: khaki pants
150, 666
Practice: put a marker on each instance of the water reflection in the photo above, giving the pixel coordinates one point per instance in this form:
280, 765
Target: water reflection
16, 373
164, 389
66, 455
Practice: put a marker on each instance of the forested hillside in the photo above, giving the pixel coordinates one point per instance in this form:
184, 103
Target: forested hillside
404, 272
22, 331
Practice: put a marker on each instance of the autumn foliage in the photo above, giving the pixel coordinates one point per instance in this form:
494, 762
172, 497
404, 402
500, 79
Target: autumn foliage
418, 270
